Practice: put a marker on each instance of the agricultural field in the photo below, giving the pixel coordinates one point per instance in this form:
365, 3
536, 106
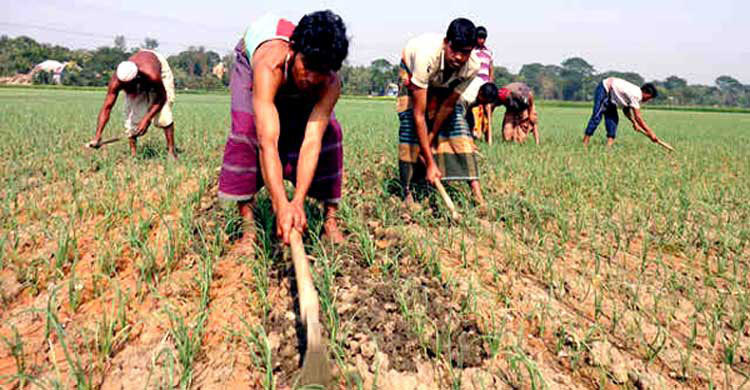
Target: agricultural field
588, 269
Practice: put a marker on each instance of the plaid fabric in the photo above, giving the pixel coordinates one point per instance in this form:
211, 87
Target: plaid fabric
455, 153
241, 177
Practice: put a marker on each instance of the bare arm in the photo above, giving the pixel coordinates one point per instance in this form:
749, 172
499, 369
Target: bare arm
634, 115
266, 83
534, 119
312, 143
629, 114
113, 89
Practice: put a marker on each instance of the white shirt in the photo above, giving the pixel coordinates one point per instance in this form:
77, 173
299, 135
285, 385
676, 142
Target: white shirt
469, 96
623, 93
424, 57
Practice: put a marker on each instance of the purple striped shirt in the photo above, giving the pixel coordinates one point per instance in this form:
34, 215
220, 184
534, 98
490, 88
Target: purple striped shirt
485, 58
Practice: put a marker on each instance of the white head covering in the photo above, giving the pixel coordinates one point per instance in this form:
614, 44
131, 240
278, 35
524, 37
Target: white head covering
126, 71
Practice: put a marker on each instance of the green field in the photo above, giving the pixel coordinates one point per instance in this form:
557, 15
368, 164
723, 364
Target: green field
597, 269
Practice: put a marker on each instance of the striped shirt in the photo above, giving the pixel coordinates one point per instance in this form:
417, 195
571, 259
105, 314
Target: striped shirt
485, 57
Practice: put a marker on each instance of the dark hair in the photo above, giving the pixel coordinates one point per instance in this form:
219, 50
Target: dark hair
481, 32
650, 89
321, 38
461, 33
489, 91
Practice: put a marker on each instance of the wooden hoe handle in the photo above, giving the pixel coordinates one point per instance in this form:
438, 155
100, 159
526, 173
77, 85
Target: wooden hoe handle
447, 199
315, 367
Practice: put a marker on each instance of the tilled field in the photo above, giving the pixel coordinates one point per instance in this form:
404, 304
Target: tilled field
596, 269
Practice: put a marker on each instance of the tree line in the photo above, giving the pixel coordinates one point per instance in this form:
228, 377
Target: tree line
574, 79
192, 68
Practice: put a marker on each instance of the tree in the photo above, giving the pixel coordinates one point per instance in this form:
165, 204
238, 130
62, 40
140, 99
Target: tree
195, 61
120, 43
21, 54
502, 76
355, 80
102, 64
543, 79
579, 66
228, 61
632, 77
150, 43
733, 92
674, 83
576, 77
673, 90
382, 73
728, 84
193, 69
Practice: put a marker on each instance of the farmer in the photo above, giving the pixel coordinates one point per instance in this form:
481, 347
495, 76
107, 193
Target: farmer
435, 141
483, 113
612, 93
520, 117
480, 95
148, 83
284, 86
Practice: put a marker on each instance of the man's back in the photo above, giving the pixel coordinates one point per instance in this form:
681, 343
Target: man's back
623, 93
148, 63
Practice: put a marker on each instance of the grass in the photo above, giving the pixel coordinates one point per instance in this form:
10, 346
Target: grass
115, 258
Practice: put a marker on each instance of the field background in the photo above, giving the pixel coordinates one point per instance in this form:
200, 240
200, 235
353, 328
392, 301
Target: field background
613, 269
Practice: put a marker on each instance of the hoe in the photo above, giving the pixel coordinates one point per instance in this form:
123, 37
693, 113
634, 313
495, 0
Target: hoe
102, 143
447, 199
315, 367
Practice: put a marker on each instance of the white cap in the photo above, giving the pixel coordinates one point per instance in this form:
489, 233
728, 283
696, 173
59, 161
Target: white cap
126, 71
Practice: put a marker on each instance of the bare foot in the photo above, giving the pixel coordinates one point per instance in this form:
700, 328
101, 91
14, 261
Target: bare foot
331, 231
483, 211
411, 205
245, 246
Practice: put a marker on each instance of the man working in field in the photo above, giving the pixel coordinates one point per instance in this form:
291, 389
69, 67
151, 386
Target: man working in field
435, 71
480, 95
148, 83
612, 93
482, 113
520, 114
284, 86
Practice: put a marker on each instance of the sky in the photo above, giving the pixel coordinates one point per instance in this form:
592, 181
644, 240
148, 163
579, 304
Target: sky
696, 40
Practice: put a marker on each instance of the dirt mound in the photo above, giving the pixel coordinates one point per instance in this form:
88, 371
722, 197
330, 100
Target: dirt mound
405, 319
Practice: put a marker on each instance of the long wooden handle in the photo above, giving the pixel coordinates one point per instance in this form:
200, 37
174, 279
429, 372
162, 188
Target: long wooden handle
665, 145
102, 143
110, 141
316, 368
447, 200
658, 141
308, 298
